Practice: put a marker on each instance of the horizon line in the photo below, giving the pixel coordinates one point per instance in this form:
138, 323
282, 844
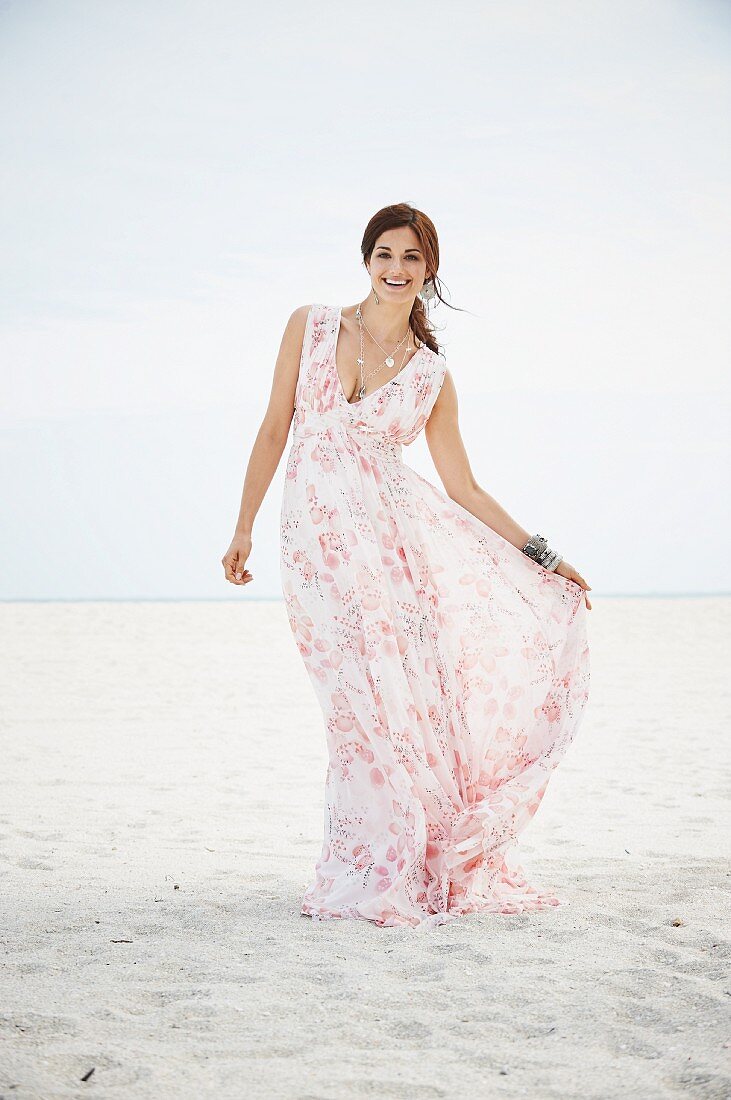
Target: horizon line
280, 599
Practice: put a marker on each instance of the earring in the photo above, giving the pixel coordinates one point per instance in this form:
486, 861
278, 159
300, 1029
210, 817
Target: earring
428, 291
375, 295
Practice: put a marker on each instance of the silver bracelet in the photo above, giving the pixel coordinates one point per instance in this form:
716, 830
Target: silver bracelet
552, 564
537, 549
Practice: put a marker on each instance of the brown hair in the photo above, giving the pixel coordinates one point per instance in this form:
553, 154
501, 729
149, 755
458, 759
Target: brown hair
393, 217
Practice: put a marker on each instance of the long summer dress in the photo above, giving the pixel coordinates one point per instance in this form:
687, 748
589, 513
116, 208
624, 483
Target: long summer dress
452, 671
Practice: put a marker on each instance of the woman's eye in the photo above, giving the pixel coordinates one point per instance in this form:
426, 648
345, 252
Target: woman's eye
385, 256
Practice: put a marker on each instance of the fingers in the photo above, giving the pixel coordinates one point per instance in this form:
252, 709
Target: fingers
578, 579
565, 569
229, 565
234, 572
240, 578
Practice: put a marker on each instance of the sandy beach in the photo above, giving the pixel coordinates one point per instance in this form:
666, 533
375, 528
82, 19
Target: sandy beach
161, 812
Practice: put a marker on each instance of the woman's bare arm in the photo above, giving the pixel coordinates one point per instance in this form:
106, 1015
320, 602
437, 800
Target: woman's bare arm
269, 444
448, 453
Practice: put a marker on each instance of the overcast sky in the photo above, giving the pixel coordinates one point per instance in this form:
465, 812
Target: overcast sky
178, 177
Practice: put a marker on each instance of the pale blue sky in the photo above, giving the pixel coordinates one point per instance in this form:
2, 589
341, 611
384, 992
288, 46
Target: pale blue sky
178, 177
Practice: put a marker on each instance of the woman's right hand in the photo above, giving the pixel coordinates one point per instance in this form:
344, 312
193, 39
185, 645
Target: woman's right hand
234, 560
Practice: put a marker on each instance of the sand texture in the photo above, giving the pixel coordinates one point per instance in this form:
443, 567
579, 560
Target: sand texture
162, 774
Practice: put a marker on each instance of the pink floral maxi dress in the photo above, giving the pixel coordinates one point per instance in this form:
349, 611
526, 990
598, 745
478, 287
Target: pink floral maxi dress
452, 671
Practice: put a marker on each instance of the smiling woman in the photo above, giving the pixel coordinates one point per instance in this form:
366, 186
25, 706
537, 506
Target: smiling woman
451, 668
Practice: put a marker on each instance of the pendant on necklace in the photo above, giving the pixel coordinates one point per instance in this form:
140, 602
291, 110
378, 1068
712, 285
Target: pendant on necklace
390, 361
361, 393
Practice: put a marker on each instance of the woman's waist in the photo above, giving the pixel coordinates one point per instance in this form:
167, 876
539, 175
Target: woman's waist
310, 422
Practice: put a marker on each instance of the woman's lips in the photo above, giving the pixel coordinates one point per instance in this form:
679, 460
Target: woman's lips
397, 286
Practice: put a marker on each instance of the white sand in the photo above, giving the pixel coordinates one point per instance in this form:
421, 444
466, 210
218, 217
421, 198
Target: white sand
163, 769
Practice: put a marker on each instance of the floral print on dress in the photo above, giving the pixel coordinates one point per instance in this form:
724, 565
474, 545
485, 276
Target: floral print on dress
452, 671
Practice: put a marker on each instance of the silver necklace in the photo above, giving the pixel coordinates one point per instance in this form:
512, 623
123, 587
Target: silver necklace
361, 391
389, 360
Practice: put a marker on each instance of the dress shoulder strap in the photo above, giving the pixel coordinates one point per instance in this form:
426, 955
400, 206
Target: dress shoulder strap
316, 328
314, 346
308, 339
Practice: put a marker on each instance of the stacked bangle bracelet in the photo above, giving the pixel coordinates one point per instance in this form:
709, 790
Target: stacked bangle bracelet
538, 550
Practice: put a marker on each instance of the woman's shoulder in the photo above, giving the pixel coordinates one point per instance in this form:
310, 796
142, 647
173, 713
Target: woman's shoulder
308, 318
318, 312
316, 308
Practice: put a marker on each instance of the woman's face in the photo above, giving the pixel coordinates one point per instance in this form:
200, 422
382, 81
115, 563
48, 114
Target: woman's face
397, 266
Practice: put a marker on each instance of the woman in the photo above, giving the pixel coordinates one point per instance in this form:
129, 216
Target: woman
447, 647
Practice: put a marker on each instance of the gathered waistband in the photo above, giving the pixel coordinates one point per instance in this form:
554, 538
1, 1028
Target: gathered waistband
310, 423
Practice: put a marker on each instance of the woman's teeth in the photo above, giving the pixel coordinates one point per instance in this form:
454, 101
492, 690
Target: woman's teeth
391, 282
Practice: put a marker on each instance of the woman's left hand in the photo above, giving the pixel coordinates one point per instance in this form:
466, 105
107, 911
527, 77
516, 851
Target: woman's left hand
567, 570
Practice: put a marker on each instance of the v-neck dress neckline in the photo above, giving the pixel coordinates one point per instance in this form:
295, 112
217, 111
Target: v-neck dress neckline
334, 359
